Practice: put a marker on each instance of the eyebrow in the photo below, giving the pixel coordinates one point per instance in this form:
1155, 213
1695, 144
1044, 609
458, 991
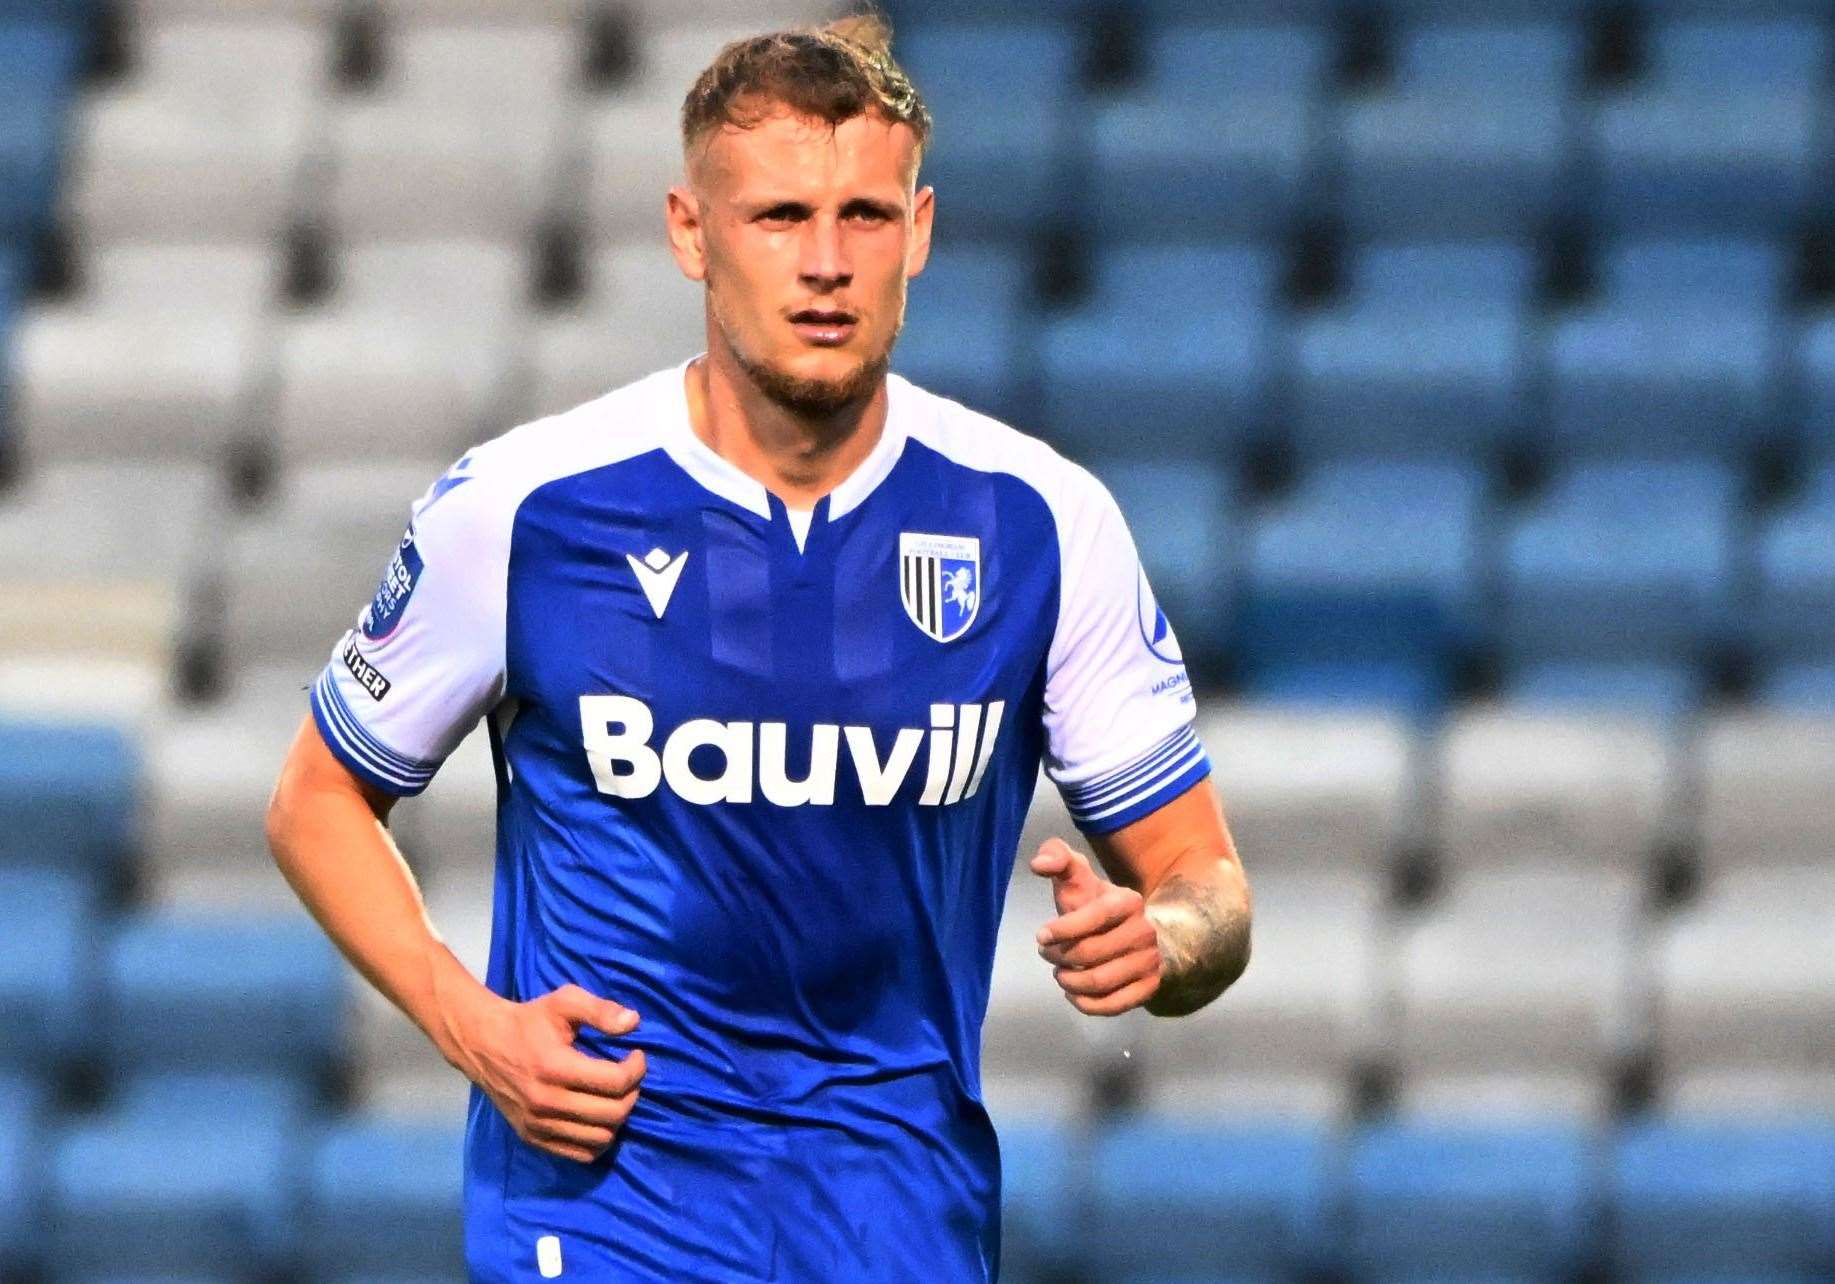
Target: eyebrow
854, 205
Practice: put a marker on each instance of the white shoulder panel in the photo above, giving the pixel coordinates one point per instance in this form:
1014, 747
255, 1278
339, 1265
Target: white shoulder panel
426, 659
1118, 704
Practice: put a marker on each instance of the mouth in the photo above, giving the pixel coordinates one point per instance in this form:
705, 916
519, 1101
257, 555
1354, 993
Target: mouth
825, 327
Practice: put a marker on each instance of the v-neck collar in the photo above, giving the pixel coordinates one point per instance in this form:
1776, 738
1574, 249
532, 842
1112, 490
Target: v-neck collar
724, 478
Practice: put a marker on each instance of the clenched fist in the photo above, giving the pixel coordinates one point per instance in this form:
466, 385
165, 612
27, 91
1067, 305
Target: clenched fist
556, 1097
1104, 951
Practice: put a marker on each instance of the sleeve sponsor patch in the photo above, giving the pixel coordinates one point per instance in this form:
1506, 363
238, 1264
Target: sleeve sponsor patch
398, 581
368, 676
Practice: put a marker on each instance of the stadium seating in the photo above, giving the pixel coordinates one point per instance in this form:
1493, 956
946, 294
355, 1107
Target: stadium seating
69, 795
1456, 1202
1698, 1199
1424, 358
965, 333
24, 1102
1764, 797
1676, 359
181, 989
1791, 625
1168, 1199
1384, 627
1614, 581
184, 1174
1742, 982
381, 1193
47, 958
1184, 519
1203, 372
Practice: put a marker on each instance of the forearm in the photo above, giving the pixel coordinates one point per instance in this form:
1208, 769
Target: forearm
338, 856
1201, 911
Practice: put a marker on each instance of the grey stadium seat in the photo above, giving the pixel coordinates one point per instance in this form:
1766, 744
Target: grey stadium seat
299, 574
100, 560
639, 315
1313, 789
1745, 994
465, 139
159, 359
208, 141
1039, 1054
1514, 992
1287, 1037
1584, 792
1765, 796
412, 358
209, 772
399, 1071
143, 11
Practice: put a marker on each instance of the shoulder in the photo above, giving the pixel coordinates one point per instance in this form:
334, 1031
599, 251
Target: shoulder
981, 442
481, 493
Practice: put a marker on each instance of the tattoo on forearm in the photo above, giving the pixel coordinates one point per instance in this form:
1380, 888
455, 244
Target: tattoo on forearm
1204, 944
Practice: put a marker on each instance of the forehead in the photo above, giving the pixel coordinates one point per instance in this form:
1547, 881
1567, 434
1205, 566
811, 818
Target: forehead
786, 151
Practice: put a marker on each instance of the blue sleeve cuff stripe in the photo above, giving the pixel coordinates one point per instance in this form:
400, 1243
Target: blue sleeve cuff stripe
1093, 793
373, 747
338, 728
1118, 801
1147, 805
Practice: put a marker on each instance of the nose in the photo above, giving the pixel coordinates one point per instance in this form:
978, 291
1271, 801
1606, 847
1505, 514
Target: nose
825, 264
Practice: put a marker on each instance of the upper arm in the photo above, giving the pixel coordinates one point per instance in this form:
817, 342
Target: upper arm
311, 771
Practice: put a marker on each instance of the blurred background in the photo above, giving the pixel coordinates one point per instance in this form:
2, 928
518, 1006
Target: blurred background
1466, 371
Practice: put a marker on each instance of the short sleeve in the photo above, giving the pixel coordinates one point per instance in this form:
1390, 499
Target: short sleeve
1118, 703
425, 660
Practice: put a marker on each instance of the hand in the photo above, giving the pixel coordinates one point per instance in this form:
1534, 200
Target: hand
1105, 951
556, 1097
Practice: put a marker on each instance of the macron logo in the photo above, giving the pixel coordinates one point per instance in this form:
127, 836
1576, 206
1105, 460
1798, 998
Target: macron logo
656, 574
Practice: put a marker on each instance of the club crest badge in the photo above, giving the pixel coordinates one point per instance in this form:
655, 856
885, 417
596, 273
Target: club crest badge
940, 582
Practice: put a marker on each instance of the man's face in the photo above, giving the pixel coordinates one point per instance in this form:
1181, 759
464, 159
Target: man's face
805, 235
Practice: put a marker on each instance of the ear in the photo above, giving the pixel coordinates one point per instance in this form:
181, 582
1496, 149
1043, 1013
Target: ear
923, 211
687, 234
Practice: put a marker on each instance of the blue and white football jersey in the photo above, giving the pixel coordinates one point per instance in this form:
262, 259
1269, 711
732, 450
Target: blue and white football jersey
768, 796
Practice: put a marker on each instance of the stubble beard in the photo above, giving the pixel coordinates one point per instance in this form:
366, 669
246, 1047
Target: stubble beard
814, 398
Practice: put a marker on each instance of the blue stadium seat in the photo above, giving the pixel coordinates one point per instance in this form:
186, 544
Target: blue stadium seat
1165, 165
385, 1192
1000, 94
38, 69
184, 1174
1701, 1198
1426, 359
1455, 162
1380, 626
24, 1103
1731, 162
1731, 273
1202, 63
1178, 1202
229, 991
69, 795
47, 954
1664, 691
1677, 359
1541, 57
1183, 516
1805, 688
1170, 351
1710, 55
1814, 375
1791, 623
965, 333
1248, 12
1433, 1201
1625, 566
1041, 1171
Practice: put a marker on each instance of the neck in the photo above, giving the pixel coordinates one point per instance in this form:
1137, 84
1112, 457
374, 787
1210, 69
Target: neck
797, 458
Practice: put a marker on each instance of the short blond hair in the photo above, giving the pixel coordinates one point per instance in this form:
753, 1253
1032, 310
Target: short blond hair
832, 73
